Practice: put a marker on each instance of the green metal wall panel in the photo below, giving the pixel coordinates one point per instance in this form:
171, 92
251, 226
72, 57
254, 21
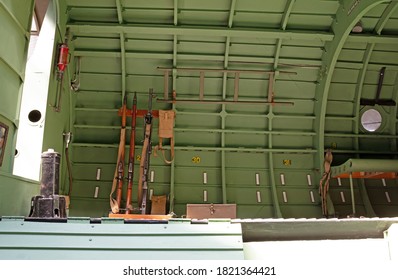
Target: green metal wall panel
15, 21
16, 194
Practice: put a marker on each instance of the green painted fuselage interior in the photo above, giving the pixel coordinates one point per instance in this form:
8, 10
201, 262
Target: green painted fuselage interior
271, 85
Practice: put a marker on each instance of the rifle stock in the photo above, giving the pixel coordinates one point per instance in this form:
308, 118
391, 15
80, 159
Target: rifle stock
118, 175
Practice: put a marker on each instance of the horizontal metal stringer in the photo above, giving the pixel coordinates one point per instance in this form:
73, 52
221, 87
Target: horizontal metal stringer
202, 101
308, 150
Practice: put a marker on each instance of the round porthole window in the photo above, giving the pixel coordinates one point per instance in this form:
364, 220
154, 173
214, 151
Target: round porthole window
34, 116
371, 120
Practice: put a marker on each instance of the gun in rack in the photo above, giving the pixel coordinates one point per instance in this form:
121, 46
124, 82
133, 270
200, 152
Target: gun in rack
130, 173
145, 157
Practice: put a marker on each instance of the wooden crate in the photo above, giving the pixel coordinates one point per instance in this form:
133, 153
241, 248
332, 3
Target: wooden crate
211, 211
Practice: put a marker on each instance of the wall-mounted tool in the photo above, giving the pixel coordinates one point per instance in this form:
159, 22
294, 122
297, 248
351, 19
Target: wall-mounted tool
377, 100
119, 171
63, 54
75, 83
67, 140
145, 157
130, 174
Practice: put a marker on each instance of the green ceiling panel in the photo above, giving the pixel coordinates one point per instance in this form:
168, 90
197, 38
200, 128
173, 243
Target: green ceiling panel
345, 108
92, 14
206, 139
301, 142
294, 89
246, 140
299, 125
103, 82
97, 99
383, 58
247, 196
246, 160
301, 52
300, 107
247, 109
194, 194
154, 45
317, 7
351, 55
101, 65
247, 123
334, 125
96, 43
98, 153
375, 144
183, 121
89, 171
262, 20
86, 189
341, 143
254, 49
342, 91
147, 16
247, 178
195, 17
313, 22
347, 76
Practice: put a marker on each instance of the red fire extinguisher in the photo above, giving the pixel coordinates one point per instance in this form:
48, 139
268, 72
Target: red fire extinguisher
62, 58
61, 65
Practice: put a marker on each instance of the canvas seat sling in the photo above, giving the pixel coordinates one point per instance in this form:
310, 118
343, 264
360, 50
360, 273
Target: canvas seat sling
166, 131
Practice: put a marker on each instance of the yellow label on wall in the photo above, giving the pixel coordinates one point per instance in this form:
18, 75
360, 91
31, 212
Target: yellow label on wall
287, 162
196, 159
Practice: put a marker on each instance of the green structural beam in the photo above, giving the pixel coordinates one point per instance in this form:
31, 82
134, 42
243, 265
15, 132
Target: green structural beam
348, 14
386, 16
358, 93
286, 14
123, 62
85, 28
175, 9
393, 118
231, 13
173, 106
119, 11
282, 63
96, 28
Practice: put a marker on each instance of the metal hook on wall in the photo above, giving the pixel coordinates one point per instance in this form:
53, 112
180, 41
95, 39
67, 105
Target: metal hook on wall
75, 83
